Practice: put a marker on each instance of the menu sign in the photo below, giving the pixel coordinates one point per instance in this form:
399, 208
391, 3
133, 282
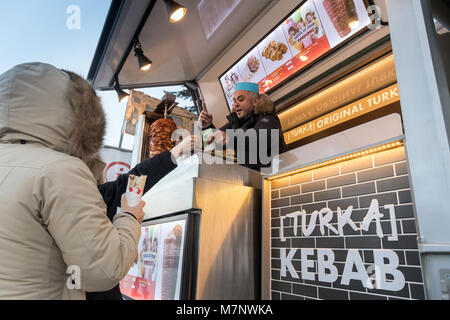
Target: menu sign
157, 273
373, 102
313, 29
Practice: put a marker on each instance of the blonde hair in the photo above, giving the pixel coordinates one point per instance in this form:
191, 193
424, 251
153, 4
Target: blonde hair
264, 105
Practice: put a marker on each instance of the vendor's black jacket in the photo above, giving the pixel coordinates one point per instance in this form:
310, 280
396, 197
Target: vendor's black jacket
262, 118
155, 169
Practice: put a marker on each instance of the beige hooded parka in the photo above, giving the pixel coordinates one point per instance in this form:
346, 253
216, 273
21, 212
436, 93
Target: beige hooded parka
52, 217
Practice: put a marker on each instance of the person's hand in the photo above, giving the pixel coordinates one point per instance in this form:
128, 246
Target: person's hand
137, 211
186, 146
205, 119
219, 137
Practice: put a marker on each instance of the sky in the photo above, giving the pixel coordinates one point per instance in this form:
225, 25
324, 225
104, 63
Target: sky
36, 30
46, 31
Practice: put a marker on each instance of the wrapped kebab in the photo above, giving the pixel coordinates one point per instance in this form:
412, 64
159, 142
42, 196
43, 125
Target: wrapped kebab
161, 136
135, 189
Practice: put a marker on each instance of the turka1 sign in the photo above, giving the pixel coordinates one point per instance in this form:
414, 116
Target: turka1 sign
385, 274
368, 104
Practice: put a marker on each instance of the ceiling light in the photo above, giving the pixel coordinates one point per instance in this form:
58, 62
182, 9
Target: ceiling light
123, 96
144, 63
175, 10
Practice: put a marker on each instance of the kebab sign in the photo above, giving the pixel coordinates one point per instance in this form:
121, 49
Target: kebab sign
386, 262
373, 102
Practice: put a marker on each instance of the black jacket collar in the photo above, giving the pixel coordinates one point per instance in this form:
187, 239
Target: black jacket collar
243, 123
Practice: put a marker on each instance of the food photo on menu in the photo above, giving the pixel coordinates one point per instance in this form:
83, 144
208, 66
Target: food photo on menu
251, 68
140, 282
274, 51
313, 29
306, 36
228, 82
341, 18
303, 28
171, 263
156, 275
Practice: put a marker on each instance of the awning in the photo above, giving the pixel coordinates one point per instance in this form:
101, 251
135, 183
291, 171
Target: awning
181, 52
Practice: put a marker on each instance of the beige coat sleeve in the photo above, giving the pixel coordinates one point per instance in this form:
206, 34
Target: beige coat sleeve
75, 215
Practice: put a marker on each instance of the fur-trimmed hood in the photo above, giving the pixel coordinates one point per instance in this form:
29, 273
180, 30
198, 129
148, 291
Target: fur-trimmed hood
58, 109
264, 105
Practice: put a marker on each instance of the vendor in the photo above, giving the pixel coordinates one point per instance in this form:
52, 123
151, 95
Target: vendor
251, 111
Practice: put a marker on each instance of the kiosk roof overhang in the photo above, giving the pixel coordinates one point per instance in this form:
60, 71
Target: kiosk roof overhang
181, 52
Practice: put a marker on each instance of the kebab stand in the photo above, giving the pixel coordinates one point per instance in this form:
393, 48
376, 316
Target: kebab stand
338, 212
335, 217
194, 239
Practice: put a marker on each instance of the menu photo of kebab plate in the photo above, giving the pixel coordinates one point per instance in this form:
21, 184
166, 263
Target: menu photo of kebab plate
342, 18
156, 275
306, 36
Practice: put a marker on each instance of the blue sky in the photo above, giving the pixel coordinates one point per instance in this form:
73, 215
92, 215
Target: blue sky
36, 30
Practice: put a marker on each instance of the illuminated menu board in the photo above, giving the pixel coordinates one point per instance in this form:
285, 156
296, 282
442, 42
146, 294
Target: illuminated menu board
315, 27
156, 275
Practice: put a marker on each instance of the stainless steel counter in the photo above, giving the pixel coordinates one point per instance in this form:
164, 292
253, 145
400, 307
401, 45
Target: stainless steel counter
228, 197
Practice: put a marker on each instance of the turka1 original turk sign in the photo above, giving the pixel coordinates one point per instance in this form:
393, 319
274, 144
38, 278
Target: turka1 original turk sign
346, 232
